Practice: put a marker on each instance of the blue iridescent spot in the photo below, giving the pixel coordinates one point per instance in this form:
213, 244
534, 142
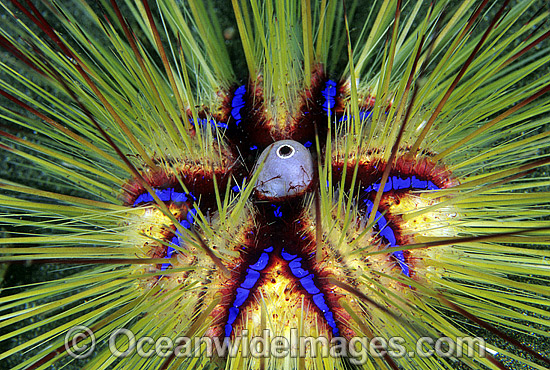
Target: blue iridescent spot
329, 93
388, 234
205, 121
363, 115
296, 268
143, 198
179, 197
308, 143
237, 103
287, 256
166, 195
332, 323
277, 212
191, 215
397, 183
262, 261
169, 252
319, 301
296, 263
250, 279
233, 313
309, 285
388, 186
238, 188
418, 184
238, 98
228, 329
432, 186
236, 113
381, 221
242, 295
400, 257
369, 205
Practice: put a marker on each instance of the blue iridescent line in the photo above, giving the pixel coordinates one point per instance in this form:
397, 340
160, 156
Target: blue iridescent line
363, 115
238, 188
251, 278
237, 103
396, 183
306, 280
329, 93
277, 211
205, 121
176, 239
166, 195
385, 231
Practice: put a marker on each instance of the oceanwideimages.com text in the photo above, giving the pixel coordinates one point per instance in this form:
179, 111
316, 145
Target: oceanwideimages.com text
80, 342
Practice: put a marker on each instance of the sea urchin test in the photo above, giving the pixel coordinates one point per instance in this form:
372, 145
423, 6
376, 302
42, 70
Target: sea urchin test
286, 170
